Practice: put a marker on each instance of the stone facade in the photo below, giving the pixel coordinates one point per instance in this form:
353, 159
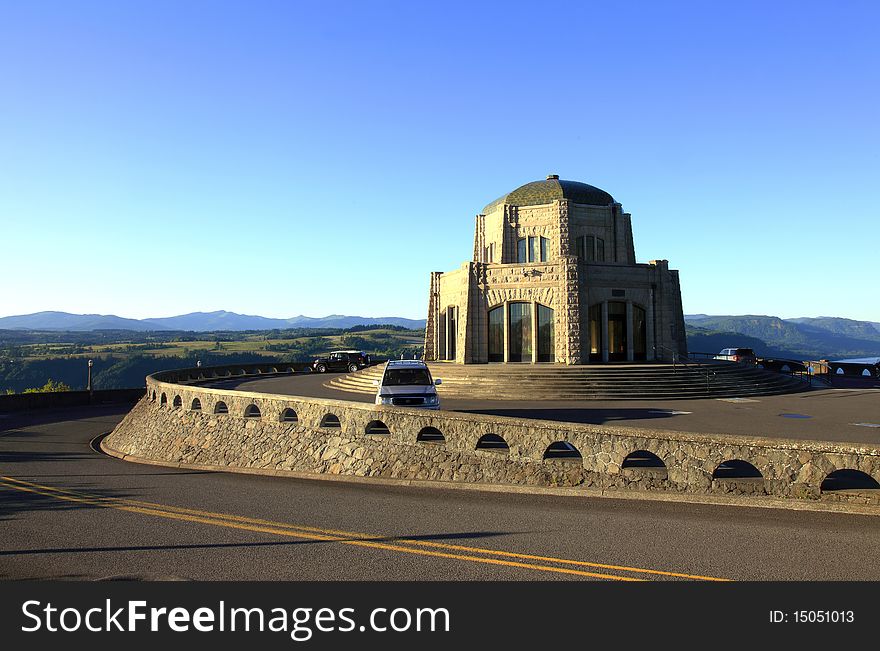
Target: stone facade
542, 248
257, 431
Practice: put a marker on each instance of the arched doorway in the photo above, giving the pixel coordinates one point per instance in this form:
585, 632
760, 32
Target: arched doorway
526, 329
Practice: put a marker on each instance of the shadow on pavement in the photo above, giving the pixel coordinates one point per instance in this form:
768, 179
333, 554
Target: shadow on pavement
99, 413
15, 502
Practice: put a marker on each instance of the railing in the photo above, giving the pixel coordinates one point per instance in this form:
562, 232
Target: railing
689, 362
794, 368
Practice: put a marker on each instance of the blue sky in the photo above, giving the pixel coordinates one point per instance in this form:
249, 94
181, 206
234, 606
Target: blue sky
283, 158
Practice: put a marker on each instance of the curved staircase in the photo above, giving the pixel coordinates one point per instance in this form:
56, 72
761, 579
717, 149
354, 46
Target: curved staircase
595, 382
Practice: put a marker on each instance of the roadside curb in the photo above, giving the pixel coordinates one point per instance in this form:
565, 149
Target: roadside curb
765, 502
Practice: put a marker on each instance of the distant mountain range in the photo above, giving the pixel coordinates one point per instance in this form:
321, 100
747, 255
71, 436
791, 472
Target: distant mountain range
806, 337
802, 338
195, 321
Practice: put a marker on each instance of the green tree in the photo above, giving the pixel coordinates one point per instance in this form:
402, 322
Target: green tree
50, 387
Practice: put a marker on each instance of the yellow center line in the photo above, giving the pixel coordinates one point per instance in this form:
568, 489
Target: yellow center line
345, 537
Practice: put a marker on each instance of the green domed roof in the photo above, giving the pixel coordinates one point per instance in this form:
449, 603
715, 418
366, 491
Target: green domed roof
540, 192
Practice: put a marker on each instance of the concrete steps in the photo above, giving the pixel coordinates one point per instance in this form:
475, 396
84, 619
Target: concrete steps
612, 382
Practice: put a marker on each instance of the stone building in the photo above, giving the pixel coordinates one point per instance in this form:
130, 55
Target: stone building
554, 278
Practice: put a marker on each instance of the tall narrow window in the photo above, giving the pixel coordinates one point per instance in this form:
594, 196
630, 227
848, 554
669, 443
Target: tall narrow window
617, 331
533, 242
520, 332
453, 332
496, 334
521, 250
590, 246
600, 250
596, 332
492, 252
579, 249
639, 329
543, 249
546, 350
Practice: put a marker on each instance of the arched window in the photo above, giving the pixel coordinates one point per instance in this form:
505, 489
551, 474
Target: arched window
196, 405
221, 408
330, 420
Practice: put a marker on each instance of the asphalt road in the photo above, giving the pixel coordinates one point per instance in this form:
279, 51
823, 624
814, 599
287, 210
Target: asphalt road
67, 511
840, 415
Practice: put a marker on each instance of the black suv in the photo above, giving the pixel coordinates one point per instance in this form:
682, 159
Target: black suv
342, 360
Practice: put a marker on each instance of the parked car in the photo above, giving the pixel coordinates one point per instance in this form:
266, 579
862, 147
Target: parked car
743, 355
342, 360
407, 383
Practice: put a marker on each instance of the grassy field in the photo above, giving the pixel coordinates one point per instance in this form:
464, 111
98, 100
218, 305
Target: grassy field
259, 344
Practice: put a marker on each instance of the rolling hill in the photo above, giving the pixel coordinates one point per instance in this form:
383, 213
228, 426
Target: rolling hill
807, 338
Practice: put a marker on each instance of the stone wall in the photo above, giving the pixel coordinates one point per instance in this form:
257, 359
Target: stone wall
388, 442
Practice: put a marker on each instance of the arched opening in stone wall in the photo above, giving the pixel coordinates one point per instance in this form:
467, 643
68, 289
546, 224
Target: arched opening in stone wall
562, 450
642, 459
196, 405
153, 397
163, 400
376, 427
644, 464
241, 371
430, 435
736, 469
221, 408
272, 369
493, 443
330, 420
289, 416
177, 403
847, 479
252, 411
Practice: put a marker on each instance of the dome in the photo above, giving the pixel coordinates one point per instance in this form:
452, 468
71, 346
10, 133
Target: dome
540, 192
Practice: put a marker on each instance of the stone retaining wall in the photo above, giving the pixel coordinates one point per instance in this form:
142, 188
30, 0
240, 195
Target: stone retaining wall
171, 431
